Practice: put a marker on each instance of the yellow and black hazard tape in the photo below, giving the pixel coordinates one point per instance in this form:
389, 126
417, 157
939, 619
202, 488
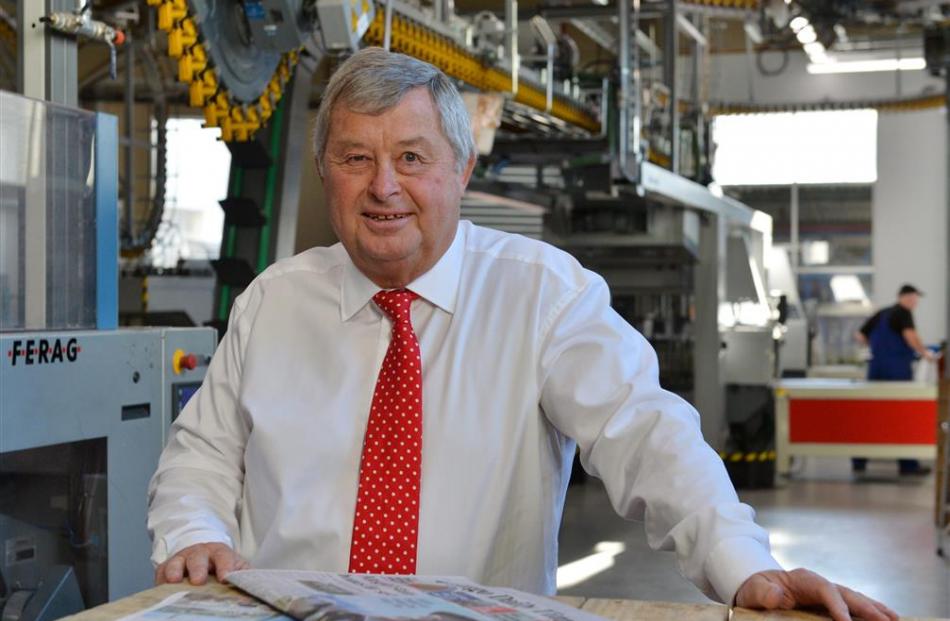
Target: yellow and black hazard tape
238, 121
756, 456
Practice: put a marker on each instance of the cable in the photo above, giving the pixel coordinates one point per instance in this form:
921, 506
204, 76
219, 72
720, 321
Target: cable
771, 72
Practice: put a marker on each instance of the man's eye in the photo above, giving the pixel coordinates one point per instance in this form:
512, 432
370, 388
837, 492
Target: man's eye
411, 157
355, 159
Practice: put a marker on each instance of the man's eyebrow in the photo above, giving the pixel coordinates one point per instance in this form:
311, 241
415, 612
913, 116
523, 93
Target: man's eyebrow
416, 141
342, 145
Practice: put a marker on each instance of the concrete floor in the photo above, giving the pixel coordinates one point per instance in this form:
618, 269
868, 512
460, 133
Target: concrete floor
875, 535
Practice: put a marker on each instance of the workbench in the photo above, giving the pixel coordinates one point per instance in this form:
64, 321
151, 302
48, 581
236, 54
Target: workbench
854, 418
616, 609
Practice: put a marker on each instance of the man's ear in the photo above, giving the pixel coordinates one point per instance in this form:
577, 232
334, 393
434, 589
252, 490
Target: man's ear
316, 164
467, 171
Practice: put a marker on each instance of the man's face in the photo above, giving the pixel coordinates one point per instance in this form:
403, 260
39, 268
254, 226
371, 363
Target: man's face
393, 189
909, 300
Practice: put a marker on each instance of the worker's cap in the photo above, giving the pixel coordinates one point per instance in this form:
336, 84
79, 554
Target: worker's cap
905, 289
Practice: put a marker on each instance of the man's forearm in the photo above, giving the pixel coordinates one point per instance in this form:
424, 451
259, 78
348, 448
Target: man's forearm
913, 341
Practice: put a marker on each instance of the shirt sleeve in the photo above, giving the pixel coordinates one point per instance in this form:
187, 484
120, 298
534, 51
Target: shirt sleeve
901, 319
600, 386
195, 493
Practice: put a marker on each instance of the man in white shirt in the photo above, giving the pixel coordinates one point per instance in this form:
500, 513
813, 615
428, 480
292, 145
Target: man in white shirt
288, 457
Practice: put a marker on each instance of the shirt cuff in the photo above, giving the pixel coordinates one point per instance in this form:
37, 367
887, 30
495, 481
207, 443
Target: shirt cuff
162, 551
733, 561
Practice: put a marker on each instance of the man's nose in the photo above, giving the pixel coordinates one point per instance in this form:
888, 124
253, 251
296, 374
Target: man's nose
384, 183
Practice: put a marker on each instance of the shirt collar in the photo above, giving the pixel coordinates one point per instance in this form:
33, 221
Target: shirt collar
439, 285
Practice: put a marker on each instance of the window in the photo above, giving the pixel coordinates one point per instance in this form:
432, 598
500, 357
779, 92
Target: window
197, 178
796, 147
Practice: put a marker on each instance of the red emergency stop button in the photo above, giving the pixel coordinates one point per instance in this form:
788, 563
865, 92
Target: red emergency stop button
182, 361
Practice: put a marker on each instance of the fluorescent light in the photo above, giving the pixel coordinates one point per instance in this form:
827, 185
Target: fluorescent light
798, 23
864, 66
807, 35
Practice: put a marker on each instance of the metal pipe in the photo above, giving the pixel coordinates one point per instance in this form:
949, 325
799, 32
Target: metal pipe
549, 81
444, 10
698, 146
628, 99
559, 13
698, 49
688, 27
595, 33
750, 66
623, 96
129, 137
670, 35
946, 370
793, 214
511, 41
388, 28
898, 86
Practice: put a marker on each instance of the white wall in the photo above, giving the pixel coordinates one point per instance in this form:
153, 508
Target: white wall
909, 221
729, 80
909, 210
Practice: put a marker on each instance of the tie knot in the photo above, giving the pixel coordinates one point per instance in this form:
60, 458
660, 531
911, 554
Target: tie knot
395, 303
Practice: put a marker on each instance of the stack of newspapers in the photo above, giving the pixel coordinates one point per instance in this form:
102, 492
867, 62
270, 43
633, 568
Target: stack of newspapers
274, 595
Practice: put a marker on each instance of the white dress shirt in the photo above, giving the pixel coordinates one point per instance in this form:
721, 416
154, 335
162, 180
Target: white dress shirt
522, 356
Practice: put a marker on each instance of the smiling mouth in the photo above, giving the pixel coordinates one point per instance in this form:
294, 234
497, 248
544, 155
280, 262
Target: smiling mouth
381, 218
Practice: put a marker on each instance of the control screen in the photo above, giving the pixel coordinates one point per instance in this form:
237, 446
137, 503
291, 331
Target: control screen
181, 394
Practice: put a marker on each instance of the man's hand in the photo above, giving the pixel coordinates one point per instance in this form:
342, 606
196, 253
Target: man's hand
198, 562
800, 587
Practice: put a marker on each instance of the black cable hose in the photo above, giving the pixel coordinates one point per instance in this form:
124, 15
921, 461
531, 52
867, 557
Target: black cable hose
771, 72
142, 241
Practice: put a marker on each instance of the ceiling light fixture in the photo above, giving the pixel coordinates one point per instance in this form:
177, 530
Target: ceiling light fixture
798, 23
807, 35
866, 66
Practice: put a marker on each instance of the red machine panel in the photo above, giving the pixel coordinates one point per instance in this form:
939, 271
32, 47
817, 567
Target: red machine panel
869, 421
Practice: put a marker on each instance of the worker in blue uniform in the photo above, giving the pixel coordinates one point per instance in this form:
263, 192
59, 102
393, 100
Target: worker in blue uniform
895, 345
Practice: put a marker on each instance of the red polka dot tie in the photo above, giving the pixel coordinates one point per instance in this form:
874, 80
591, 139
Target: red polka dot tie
385, 526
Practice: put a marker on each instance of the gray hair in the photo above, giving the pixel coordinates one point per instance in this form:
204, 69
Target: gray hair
373, 80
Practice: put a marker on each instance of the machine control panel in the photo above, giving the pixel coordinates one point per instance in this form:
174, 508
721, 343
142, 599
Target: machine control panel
186, 361
83, 419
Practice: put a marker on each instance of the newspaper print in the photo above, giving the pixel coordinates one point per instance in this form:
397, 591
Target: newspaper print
323, 596
202, 606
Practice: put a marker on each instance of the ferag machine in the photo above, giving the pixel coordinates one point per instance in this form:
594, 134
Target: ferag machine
84, 407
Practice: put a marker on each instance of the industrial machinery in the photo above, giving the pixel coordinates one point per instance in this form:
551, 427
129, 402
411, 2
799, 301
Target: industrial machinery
618, 158
84, 407
793, 352
180, 296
